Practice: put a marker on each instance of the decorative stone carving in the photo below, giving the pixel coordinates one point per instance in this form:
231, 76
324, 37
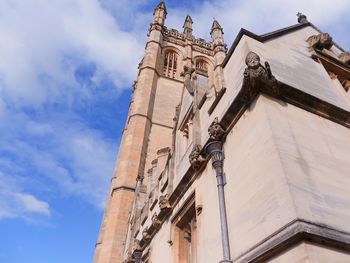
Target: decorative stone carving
345, 57
257, 77
187, 74
320, 41
156, 222
215, 130
195, 156
164, 203
145, 235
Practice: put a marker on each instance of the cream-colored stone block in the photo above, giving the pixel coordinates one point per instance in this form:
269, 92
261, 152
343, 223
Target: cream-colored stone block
311, 253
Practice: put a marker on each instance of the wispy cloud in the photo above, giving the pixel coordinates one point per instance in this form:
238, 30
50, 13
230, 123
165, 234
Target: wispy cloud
14, 203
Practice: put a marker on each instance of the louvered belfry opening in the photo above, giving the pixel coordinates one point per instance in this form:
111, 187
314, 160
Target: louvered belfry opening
170, 64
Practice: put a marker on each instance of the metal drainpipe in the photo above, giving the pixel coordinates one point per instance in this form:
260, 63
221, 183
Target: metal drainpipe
214, 149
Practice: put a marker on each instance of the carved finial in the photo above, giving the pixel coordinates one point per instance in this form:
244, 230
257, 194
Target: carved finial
217, 26
188, 27
301, 18
217, 37
159, 14
195, 157
215, 130
162, 6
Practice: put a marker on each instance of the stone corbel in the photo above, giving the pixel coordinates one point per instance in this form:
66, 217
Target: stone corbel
257, 78
164, 205
145, 235
156, 223
196, 159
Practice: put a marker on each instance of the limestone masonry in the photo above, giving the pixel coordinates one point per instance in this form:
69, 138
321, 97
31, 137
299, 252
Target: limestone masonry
238, 155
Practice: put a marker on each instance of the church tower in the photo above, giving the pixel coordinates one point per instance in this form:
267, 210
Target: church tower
148, 132
233, 156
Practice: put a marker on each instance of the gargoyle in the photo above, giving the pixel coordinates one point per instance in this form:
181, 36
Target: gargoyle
156, 222
195, 157
164, 203
257, 78
320, 41
215, 130
145, 235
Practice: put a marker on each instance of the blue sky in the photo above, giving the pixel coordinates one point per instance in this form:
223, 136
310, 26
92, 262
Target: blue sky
66, 72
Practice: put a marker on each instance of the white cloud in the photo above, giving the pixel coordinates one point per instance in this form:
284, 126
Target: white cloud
31, 204
15, 203
43, 42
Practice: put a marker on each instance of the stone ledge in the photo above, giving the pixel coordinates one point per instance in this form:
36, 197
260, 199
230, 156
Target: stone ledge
293, 233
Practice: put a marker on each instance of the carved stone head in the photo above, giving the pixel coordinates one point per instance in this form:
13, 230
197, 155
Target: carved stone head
164, 203
145, 235
155, 221
216, 132
195, 156
252, 60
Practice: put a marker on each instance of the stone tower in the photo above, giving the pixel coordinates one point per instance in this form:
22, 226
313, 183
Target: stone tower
238, 156
149, 127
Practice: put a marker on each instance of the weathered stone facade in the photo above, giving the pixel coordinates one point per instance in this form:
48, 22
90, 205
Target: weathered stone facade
226, 161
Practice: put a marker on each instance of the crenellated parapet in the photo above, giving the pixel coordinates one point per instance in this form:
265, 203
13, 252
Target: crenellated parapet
198, 44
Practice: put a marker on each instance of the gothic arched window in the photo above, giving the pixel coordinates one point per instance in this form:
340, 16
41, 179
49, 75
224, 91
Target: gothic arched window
202, 65
170, 64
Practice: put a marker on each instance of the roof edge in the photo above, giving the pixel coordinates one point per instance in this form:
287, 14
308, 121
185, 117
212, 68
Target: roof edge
268, 36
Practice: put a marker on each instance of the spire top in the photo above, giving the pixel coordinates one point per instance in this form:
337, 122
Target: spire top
159, 14
188, 22
301, 18
215, 25
188, 26
161, 5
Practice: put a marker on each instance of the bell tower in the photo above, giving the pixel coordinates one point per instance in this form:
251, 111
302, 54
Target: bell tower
148, 131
